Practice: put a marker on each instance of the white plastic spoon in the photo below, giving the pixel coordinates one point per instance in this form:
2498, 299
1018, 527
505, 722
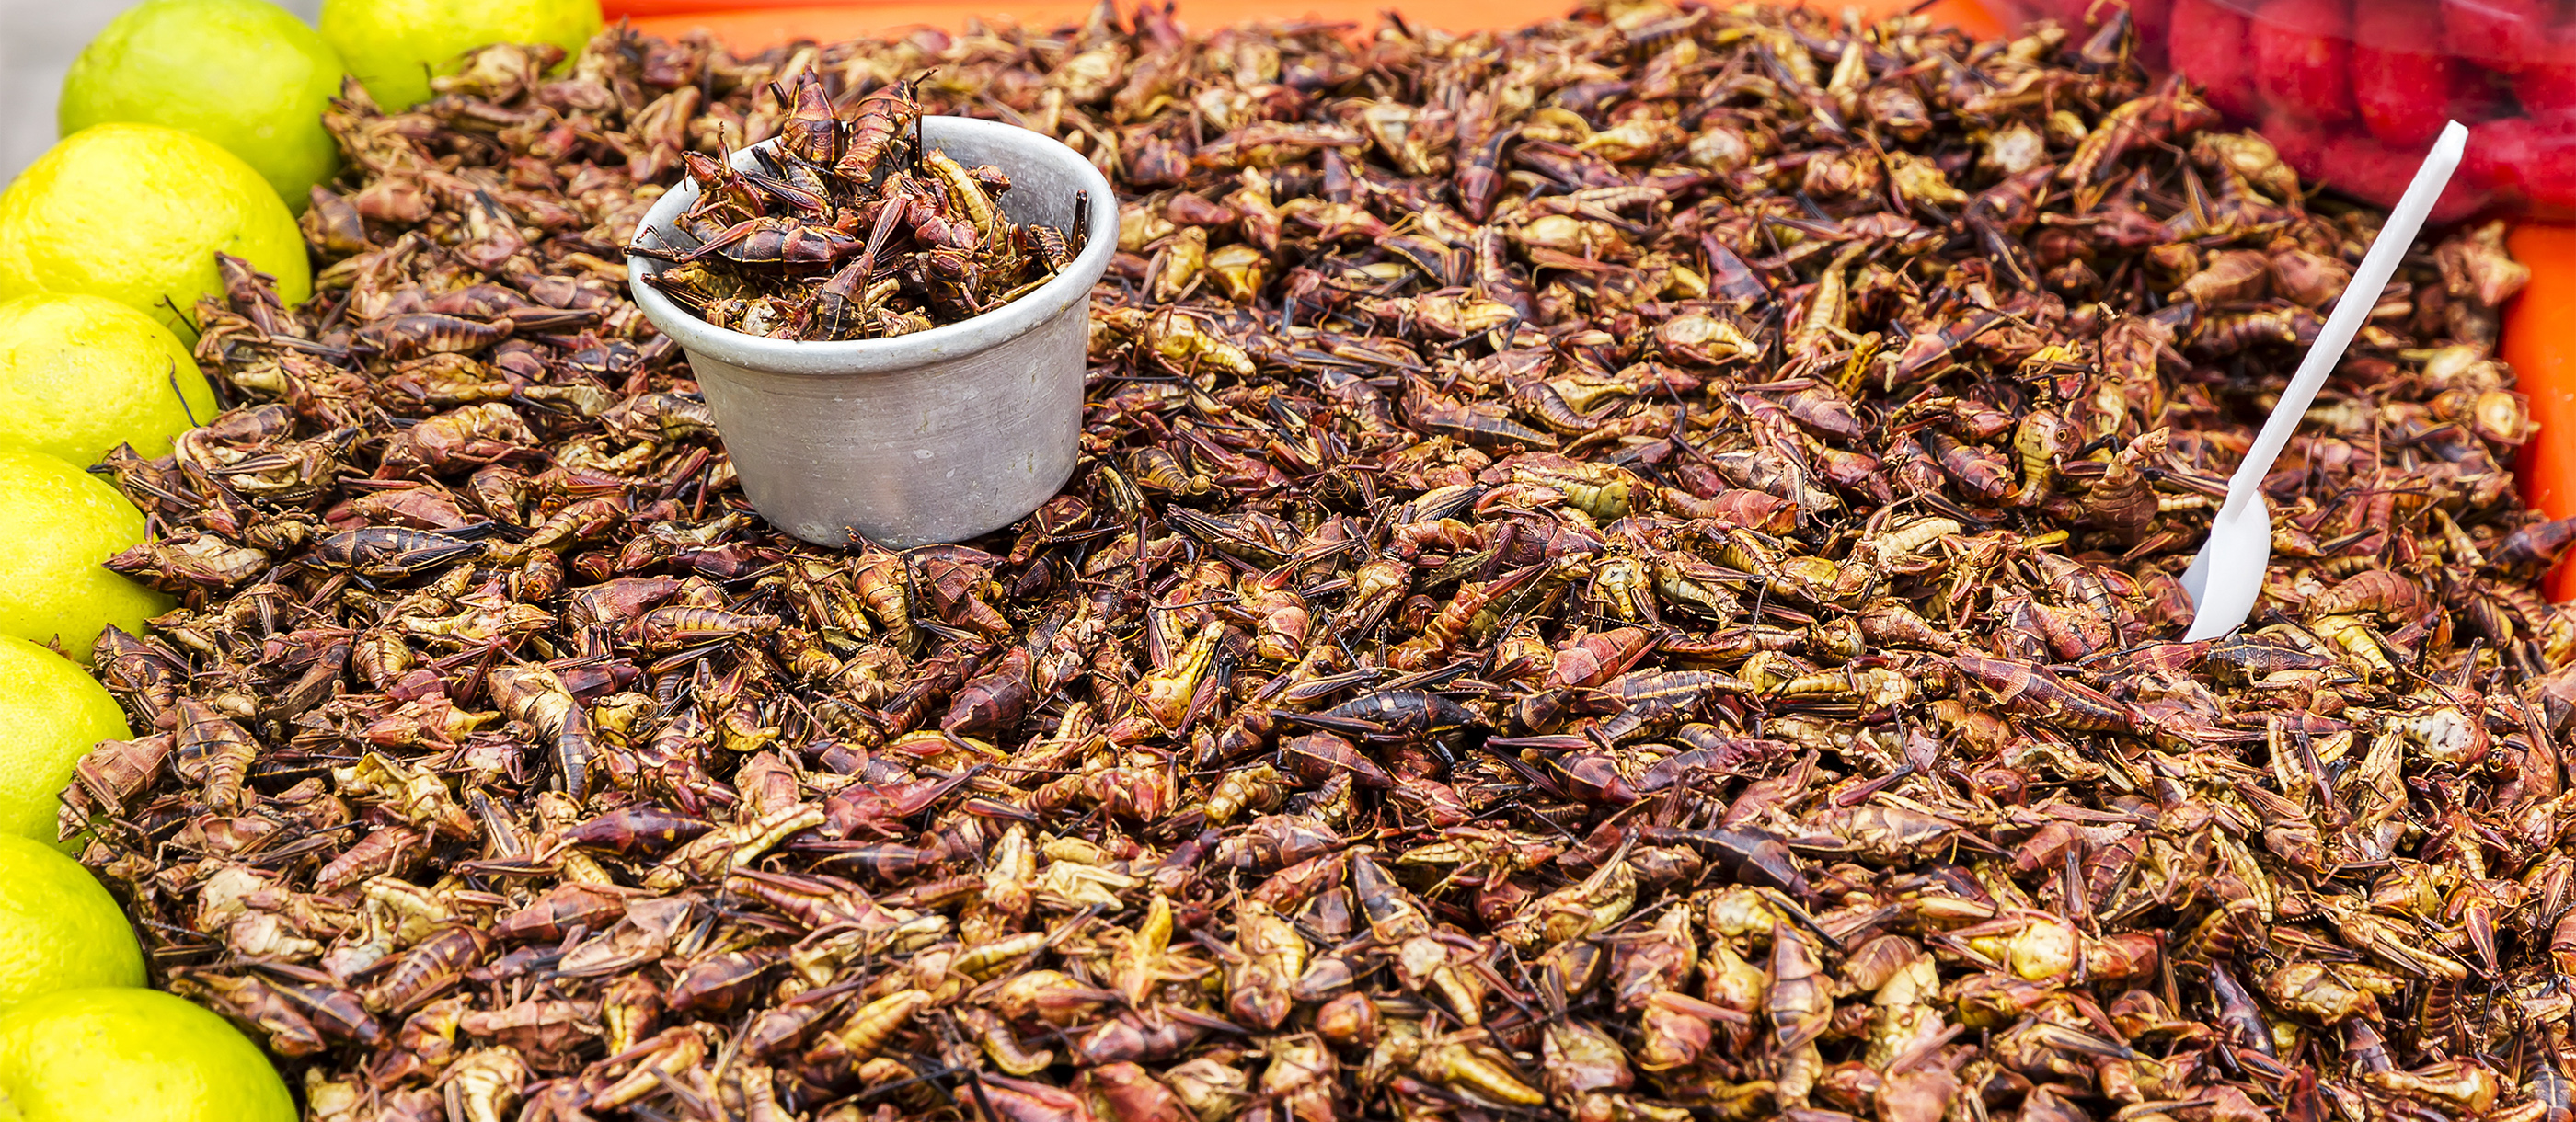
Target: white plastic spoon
2228, 575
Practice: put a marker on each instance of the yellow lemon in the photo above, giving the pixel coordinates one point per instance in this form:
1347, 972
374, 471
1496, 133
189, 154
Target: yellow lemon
59, 929
80, 375
245, 74
60, 522
395, 45
132, 1055
51, 714
136, 213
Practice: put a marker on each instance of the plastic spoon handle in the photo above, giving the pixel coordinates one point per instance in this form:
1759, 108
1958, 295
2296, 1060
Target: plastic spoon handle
2351, 309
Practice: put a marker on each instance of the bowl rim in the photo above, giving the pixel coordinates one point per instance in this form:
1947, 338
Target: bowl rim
945, 343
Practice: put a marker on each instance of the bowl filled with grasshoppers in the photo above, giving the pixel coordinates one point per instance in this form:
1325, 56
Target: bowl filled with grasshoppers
889, 314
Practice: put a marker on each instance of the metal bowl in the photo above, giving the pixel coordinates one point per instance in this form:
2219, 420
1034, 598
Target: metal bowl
937, 436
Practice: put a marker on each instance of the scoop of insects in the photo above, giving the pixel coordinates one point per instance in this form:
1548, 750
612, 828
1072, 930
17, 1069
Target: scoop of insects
853, 229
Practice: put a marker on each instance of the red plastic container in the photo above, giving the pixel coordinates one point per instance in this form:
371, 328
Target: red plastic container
2352, 91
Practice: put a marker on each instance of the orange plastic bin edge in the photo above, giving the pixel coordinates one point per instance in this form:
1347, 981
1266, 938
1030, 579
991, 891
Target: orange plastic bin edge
754, 24
2540, 344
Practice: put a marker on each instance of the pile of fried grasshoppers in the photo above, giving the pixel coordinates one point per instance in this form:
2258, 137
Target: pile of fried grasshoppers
1624, 570
802, 251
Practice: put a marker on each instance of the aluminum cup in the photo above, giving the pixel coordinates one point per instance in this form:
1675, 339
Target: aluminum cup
936, 436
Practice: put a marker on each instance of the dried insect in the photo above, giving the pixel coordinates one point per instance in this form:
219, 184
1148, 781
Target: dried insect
1630, 570
779, 258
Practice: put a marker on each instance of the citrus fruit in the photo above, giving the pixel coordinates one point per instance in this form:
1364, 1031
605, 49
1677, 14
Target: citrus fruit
80, 375
132, 1055
59, 929
394, 45
60, 522
245, 74
51, 714
136, 213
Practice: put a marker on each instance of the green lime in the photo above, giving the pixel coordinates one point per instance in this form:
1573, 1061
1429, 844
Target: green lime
51, 714
136, 213
80, 375
60, 523
132, 1055
59, 929
394, 45
245, 74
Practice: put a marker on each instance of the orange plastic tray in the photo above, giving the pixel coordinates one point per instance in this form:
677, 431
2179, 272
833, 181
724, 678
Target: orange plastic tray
2540, 343
753, 24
